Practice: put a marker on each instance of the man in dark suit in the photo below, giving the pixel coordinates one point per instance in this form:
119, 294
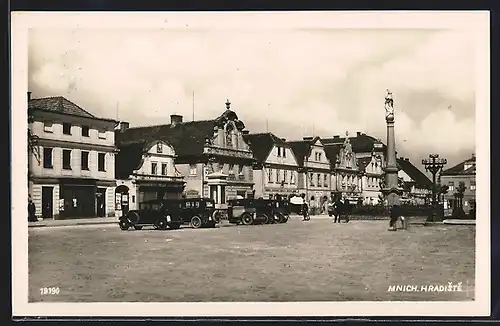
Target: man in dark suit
31, 211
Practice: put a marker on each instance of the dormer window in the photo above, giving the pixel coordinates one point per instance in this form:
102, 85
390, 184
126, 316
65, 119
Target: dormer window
279, 151
102, 134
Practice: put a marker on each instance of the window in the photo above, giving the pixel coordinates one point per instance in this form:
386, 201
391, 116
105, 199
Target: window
67, 128
192, 169
101, 162
318, 176
85, 160
240, 170
102, 134
285, 176
325, 180
270, 176
311, 181
279, 151
284, 152
277, 176
85, 131
133, 199
292, 177
47, 158
473, 185
319, 156
48, 127
451, 186
154, 166
164, 169
231, 169
66, 159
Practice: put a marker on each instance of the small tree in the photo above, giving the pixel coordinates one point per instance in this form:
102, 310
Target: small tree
458, 211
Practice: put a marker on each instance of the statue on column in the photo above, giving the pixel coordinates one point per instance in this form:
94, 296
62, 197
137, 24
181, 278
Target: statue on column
389, 106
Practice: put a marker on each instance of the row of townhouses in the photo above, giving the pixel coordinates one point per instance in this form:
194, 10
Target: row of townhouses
86, 166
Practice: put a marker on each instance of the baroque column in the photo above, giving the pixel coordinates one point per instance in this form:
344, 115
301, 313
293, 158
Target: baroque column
391, 190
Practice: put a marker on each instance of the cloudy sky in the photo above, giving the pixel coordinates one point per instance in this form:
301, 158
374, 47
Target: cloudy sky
293, 82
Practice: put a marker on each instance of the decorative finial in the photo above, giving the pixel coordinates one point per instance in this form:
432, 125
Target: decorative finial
228, 104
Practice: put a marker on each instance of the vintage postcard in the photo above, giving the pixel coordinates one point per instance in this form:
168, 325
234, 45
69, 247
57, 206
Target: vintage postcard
250, 164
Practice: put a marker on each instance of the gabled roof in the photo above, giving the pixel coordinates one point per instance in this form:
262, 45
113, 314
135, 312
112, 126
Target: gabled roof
187, 138
459, 169
261, 144
59, 104
361, 143
332, 151
420, 179
301, 149
129, 158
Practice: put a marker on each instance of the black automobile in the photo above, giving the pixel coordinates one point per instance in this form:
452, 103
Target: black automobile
154, 213
255, 211
197, 212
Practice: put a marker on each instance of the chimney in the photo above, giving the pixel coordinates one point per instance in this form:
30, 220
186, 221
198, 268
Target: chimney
308, 138
124, 126
358, 133
175, 119
336, 136
407, 159
29, 96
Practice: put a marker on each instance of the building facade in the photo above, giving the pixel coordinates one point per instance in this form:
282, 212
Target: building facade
212, 155
314, 170
145, 170
275, 172
370, 156
345, 177
465, 173
71, 170
417, 187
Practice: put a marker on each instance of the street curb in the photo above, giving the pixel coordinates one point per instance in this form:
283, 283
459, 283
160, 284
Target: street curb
72, 224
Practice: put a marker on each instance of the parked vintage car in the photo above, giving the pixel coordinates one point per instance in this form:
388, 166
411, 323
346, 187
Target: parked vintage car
151, 212
197, 212
256, 211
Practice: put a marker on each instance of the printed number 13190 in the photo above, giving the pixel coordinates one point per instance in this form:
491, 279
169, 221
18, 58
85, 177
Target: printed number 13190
49, 291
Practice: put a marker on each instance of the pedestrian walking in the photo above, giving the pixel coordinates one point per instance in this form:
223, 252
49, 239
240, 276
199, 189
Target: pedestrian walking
305, 209
31, 211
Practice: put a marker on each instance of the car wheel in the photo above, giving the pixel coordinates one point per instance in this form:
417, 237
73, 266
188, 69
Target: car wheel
265, 219
124, 224
246, 219
133, 217
196, 222
160, 225
216, 217
138, 227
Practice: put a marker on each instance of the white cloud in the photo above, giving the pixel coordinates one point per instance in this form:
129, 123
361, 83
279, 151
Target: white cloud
334, 79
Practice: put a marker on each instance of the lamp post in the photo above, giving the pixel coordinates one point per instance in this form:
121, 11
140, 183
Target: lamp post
434, 164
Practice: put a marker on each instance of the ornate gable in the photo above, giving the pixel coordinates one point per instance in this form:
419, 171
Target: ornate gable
346, 159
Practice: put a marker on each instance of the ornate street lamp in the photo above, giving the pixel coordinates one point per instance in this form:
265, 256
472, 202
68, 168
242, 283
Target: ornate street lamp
434, 164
